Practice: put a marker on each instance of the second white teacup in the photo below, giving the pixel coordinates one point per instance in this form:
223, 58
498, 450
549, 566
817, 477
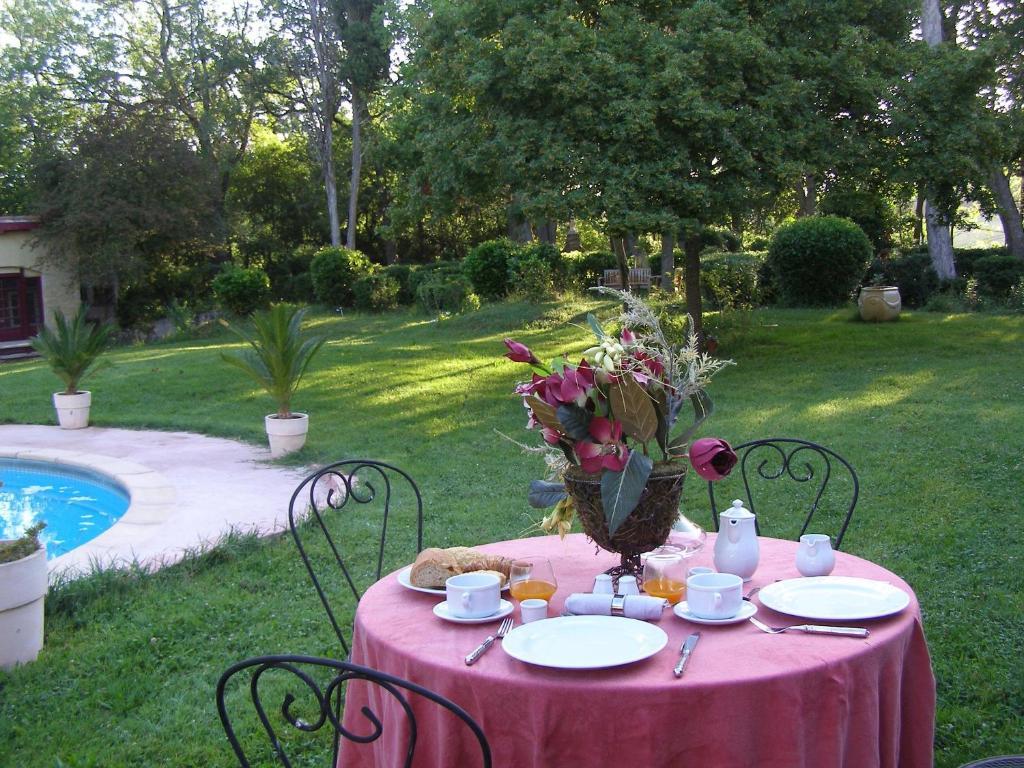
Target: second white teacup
714, 595
473, 595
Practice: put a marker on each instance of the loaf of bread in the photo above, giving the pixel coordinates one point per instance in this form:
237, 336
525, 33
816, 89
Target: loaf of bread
434, 566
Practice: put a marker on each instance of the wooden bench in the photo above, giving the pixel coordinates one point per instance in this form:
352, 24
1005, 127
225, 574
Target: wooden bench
639, 277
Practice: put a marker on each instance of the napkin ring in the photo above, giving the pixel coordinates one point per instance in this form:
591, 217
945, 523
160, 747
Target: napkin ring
619, 605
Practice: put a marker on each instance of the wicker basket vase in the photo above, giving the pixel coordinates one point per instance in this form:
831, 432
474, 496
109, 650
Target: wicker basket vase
647, 526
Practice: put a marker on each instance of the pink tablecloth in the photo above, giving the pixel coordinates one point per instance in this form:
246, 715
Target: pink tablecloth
747, 698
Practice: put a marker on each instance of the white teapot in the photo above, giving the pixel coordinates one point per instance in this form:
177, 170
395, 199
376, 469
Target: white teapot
736, 547
814, 556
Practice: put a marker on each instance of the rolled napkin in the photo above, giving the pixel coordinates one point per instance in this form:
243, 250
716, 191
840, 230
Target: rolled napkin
641, 607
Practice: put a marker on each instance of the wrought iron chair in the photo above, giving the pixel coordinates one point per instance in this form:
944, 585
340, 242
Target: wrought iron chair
351, 506
323, 681
824, 483
1003, 761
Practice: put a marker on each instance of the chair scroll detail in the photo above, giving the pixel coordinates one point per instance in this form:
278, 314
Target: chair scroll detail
303, 672
800, 461
321, 505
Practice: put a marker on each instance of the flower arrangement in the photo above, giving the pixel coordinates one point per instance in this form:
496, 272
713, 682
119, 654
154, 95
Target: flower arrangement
618, 410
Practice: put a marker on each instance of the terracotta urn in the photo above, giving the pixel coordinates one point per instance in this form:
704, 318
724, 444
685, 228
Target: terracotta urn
879, 303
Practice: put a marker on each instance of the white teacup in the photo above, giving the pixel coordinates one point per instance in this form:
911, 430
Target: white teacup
714, 595
473, 595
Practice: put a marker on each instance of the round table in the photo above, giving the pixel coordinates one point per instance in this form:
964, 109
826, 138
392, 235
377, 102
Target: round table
747, 698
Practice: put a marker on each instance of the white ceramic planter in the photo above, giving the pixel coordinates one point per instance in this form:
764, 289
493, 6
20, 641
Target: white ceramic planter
22, 589
879, 304
72, 410
286, 435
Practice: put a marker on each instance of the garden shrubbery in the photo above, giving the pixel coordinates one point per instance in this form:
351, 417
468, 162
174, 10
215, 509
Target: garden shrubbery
334, 271
997, 274
870, 211
731, 280
376, 292
446, 293
818, 261
583, 270
911, 272
487, 267
242, 290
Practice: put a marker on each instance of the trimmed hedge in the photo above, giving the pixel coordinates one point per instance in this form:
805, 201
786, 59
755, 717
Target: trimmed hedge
443, 293
818, 261
998, 273
911, 272
335, 271
731, 280
242, 290
402, 274
583, 270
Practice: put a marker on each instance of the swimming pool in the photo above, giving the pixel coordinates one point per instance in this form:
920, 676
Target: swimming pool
76, 504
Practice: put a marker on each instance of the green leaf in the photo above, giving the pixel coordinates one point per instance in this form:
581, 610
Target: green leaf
661, 411
703, 407
620, 491
576, 421
559, 364
544, 413
544, 494
632, 406
595, 326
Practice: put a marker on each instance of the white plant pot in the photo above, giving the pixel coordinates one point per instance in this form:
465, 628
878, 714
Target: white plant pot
22, 588
72, 410
286, 435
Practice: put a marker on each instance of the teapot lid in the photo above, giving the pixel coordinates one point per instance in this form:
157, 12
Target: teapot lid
737, 511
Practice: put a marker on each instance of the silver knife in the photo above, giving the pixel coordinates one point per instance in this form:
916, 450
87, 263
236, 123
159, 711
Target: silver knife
684, 653
818, 629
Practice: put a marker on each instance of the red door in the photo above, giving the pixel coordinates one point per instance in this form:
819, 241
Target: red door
21, 307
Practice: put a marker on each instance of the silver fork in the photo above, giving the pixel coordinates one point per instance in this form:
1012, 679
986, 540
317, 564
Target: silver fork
503, 629
814, 629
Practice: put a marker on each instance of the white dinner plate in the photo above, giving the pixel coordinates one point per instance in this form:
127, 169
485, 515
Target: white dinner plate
584, 642
504, 609
682, 610
834, 598
403, 579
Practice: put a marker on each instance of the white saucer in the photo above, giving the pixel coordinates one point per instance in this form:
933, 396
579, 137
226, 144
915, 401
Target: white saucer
682, 610
504, 609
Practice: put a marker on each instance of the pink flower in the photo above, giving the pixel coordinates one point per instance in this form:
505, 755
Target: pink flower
576, 384
627, 337
520, 353
712, 458
606, 450
551, 436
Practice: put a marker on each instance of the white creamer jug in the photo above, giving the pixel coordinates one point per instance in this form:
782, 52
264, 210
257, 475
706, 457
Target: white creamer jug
815, 557
736, 548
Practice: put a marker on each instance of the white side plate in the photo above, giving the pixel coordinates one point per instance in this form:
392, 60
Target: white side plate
504, 609
682, 610
403, 579
584, 642
834, 598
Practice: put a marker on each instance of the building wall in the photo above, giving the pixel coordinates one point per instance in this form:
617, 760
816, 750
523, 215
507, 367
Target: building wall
60, 285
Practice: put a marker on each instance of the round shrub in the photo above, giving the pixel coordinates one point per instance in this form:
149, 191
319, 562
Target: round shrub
446, 294
402, 274
998, 273
583, 270
424, 272
818, 261
730, 280
531, 277
376, 293
486, 265
242, 290
547, 254
334, 271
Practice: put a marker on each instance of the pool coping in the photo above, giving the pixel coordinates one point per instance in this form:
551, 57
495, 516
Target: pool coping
151, 495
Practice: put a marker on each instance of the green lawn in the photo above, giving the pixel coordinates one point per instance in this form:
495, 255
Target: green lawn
927, 409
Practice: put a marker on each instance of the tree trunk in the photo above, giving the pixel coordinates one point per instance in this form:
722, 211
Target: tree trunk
519, 229
919, 219
940, 243
694, 307
546, 232
1021, 169
619, 249
1009, 214
931, 22
330, 184
807, 196
668, 261
357, 167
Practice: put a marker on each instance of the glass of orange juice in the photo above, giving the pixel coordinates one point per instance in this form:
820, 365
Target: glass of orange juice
532, 577
665, 576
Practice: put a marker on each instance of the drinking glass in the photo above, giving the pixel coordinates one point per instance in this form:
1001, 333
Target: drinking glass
665, 576
532, 577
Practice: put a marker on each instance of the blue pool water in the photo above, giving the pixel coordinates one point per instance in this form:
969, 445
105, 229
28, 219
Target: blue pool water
76, 504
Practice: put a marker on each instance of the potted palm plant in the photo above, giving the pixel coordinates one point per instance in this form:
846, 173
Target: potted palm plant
277, 359
73, 352
23, 583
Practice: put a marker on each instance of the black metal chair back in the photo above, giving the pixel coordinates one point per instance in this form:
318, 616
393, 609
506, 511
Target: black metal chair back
349, 508
1003, 761
320, 683
823, 484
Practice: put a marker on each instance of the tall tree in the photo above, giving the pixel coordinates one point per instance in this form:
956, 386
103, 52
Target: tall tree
307, 46
366, 47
